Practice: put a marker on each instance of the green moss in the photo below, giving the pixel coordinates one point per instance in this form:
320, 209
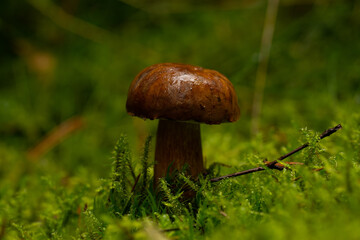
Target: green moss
51, 70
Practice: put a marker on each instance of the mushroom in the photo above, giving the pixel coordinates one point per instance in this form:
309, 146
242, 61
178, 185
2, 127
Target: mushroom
181, 96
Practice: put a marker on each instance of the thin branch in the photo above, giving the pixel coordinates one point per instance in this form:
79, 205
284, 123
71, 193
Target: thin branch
275, 164
326, 133
270, 165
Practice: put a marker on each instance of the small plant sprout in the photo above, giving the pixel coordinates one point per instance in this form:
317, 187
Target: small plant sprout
181, 96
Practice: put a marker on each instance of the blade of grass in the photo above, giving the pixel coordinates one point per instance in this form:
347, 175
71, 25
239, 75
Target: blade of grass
260, 82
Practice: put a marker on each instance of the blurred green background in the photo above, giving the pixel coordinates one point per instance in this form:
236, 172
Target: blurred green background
76, 58
65, 68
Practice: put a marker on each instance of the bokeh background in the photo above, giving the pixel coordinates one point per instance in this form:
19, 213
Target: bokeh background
67, 64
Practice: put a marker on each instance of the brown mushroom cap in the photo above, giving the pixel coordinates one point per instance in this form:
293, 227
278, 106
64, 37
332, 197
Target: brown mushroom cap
182, 92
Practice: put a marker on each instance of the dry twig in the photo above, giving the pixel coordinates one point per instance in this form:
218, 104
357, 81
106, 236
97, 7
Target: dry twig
275, 164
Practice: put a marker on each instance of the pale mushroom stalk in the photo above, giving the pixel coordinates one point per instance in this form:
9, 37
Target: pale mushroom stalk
178, 146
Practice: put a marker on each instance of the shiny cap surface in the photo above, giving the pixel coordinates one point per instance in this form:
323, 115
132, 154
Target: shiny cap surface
182, 92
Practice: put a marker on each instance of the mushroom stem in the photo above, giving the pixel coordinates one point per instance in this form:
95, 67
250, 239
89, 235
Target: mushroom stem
178, 144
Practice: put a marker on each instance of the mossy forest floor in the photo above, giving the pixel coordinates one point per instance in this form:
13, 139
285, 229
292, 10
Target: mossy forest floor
75, 165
